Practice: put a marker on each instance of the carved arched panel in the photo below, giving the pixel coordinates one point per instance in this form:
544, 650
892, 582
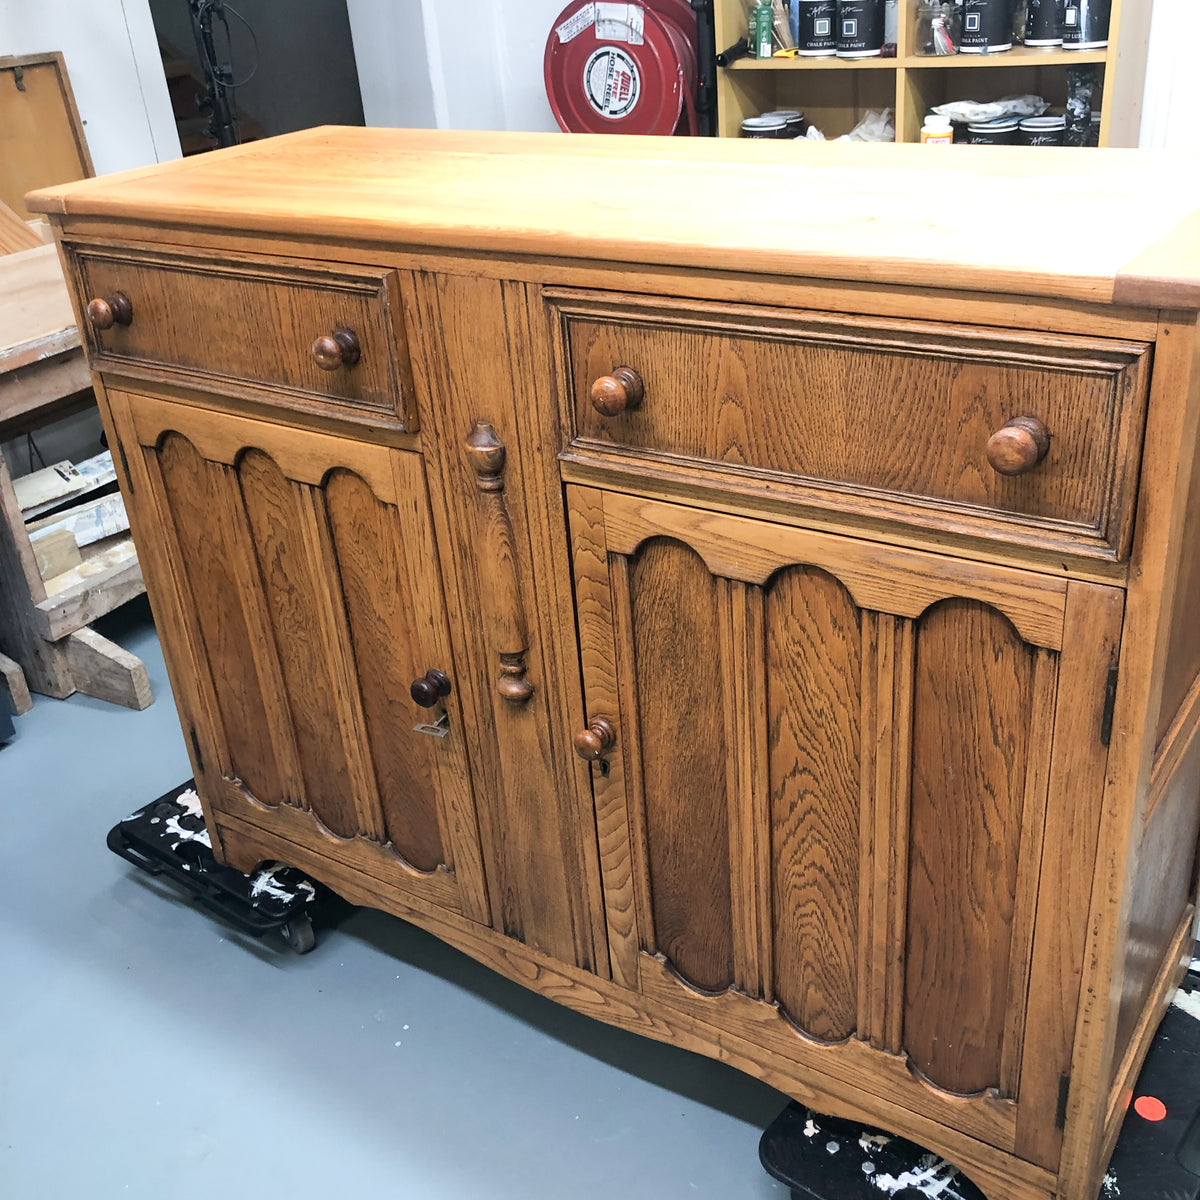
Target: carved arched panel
681, 709
814, 701
200, 496
972, 705
369, 553
281, 517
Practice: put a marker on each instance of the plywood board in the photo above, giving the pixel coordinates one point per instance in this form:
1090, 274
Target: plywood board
41, 135
91, 474
47, 485
16, 233
36, 317
86, 523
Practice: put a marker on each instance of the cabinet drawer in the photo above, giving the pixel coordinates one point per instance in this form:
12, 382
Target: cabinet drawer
878, 417
248, 327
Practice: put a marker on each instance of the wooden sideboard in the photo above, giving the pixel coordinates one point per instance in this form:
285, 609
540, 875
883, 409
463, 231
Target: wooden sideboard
748, 594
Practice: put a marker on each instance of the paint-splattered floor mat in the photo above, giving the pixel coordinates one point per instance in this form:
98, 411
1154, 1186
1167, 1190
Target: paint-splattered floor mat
1157, 1156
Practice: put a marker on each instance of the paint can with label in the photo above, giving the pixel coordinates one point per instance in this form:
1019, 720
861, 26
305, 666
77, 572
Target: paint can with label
987, 26
1085, 24
1044, 22
769, 127
793, 118
817, 28
859, 28
993, 133
1043, 131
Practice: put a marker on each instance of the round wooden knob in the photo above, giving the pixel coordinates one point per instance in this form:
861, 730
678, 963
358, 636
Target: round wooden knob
337, 349
106, 311
592, 742
1018, 446
430, 688
613, 394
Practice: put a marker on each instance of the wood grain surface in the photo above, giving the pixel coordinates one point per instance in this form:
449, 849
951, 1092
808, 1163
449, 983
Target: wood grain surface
814, 671
971, 737
947, 223
290, 590
193, 490
676, 657
368, 545
1183, 648
535, 813
248, 327
898, 408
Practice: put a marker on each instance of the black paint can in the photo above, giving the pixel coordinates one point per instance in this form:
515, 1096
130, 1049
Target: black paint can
993, 133
1043, 131
818, 28
859, 28
793, 118
1044, 22
1085, 24
770, 127
987, 26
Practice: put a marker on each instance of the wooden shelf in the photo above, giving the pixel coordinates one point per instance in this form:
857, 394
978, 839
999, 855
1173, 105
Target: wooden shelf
813, 64
835, 93
1018, 56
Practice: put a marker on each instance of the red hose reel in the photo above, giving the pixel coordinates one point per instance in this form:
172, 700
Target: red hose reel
623, 68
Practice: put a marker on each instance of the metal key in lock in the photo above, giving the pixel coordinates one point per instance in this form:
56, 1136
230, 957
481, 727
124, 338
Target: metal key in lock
439, 729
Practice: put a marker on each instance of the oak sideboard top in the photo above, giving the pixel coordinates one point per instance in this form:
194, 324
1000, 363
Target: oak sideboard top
1109, 226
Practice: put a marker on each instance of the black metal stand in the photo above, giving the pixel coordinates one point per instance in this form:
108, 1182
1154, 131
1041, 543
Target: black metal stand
706, 51
218, 75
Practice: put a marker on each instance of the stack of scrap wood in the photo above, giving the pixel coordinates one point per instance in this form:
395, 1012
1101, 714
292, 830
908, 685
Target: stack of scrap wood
67, 510
66, 556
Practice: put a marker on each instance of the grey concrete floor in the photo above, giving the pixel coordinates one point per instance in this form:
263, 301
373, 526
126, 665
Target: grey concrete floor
146, 1051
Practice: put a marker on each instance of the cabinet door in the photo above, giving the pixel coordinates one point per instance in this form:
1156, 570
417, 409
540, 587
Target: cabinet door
295, 581
826, 786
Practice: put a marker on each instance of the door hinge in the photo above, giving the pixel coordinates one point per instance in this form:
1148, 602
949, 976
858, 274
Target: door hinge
199, 758
1110, 703
125, 465
1060, 1113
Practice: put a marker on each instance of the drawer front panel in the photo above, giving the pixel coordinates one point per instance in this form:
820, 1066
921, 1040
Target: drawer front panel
248, 327
870, 409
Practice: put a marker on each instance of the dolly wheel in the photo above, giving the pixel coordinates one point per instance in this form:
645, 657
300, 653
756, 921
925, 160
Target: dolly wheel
298, 933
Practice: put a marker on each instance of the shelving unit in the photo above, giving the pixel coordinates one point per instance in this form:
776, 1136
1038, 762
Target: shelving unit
835, 93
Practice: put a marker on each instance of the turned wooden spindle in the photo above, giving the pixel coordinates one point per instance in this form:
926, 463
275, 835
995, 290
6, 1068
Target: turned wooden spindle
433, 686
106, 311
592, 742
337, 349
613, 394
1018, 446
510, 635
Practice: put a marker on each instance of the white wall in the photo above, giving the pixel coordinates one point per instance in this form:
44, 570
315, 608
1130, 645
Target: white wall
1171, 111
115, 68
473, 64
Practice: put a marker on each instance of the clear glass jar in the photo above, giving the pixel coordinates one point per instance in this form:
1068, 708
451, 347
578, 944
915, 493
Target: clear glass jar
939, 27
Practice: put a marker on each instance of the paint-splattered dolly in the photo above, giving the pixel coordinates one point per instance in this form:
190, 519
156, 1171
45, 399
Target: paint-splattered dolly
168, 837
